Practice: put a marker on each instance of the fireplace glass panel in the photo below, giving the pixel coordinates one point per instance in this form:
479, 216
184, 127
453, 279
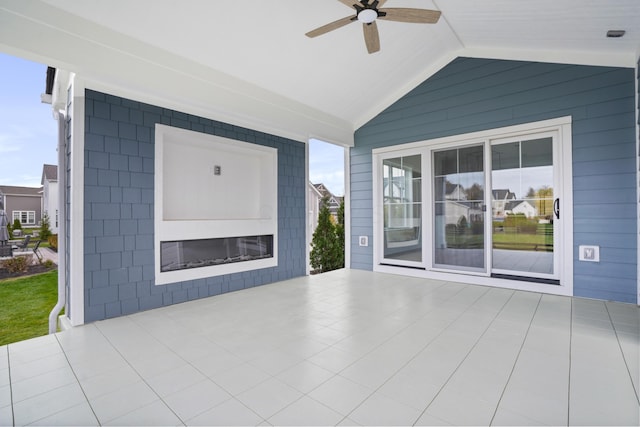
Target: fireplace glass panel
185, 254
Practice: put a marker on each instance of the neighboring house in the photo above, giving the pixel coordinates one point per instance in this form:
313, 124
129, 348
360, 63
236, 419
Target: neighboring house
521, 207
314, 198
49, 184
333, 202
500, 198
23, 204
455, 192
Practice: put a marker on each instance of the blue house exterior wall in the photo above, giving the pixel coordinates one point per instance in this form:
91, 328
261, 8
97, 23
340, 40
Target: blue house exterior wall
119, 208
471, 95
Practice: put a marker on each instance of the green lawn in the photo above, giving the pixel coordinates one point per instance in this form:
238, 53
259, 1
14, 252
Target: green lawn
25, 304
502, 240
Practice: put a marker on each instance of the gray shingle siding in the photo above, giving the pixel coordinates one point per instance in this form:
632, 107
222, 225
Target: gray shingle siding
478, 94
118, 214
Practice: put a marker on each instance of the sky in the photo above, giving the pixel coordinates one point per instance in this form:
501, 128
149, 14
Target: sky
28, 131
326, 166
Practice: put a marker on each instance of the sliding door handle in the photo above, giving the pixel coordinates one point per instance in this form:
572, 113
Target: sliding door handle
556, 208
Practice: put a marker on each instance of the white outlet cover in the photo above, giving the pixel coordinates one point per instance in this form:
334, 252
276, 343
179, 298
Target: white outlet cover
589, 253
363, 240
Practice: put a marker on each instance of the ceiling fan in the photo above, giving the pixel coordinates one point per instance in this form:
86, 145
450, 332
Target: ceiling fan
368, 12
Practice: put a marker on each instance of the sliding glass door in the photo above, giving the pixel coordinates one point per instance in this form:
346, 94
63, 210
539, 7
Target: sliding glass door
458, 206
524, 208
402, 209
488, 208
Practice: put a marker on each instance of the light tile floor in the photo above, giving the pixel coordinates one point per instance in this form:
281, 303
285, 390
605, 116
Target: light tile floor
343, 348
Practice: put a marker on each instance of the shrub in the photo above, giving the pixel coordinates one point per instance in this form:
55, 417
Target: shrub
48, 263
18, 264
53, 241
17, 225
45, 227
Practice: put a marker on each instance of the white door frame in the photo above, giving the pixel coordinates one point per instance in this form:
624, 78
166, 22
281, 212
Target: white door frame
560, 125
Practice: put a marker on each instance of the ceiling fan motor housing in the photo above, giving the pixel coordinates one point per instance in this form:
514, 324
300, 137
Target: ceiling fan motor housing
367, 16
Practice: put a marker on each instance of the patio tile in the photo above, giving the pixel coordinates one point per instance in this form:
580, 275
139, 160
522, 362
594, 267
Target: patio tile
161, 363
429, 420
43, 383
79, 415
175, 380
305, 376
333, 359
24, 371
154, 414
379, 410
269, 397
217, 361
410, 388
276, 361
109, 381
306, 412
5, 395
122, 401
414, 351
229, 413
373, 369
193, 348
461, 407
6, 415
240, 378
34, 349
340, 394
196, 399
630, 345
506, 417
547, 407
87, 365
47, 404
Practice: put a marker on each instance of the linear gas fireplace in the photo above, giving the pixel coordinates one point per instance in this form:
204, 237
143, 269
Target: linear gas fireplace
216, 206
185, 254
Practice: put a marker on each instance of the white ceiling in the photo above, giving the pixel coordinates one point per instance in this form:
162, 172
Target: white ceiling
256, 50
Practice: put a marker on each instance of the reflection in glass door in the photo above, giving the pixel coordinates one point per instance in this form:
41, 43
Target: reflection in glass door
522, 208
402, 209
459, 228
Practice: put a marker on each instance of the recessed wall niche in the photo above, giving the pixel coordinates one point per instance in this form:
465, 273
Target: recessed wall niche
212, 191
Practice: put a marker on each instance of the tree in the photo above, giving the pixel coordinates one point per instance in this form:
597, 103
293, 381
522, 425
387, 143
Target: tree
45, 227
325, 250
340, 234
545, 201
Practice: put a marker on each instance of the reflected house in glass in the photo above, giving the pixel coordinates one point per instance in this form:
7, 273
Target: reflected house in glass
521, 207
500, 199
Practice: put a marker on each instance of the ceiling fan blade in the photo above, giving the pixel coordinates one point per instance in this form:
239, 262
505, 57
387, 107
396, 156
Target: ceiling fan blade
381, 3
419, 16
330, 27
350, 3
371, 37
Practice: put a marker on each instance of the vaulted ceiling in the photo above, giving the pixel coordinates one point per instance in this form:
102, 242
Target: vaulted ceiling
249, 62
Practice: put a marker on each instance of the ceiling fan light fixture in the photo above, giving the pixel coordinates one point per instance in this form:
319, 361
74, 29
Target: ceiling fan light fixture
367, 16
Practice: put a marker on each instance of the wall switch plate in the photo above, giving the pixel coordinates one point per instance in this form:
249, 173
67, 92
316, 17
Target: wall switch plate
589, 253
363, 240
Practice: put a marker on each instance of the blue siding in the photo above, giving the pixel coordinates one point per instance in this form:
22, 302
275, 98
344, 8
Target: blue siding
119, 208
471, 95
